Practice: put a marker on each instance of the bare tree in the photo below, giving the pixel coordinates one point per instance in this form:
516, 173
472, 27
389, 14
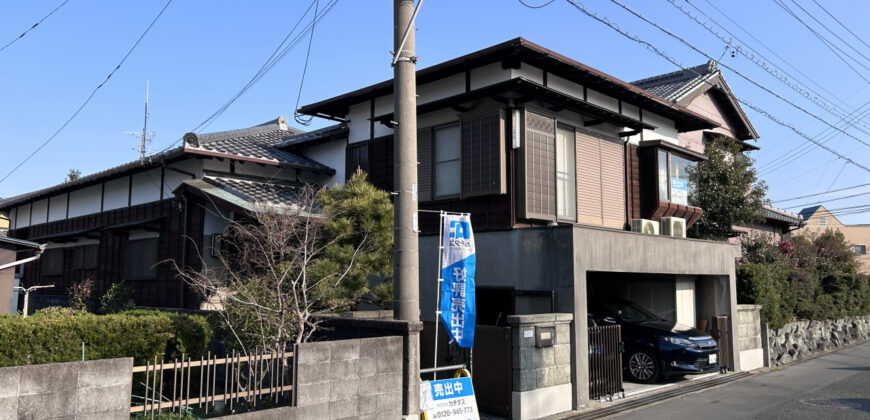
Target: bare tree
269, 281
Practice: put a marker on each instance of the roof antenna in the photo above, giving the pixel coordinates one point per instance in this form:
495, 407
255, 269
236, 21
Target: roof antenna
144, 137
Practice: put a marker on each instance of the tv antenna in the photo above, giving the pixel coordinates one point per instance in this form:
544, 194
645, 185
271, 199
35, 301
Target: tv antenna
144, 137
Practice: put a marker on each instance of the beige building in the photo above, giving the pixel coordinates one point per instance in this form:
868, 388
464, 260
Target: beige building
818, 218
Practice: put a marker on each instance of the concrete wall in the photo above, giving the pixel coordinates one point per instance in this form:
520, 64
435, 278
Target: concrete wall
749, 345
359, 379
541, 375
81, 390
559, 258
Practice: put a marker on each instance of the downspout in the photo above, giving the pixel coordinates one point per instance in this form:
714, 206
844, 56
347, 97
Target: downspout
39, 252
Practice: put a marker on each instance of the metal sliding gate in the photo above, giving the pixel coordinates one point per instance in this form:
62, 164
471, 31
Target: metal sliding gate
605, 361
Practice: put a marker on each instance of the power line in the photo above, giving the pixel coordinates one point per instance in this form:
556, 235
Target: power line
776, 71
664, 55
305, 120
737, 72
823, 193
825, 41
831, 31
841, 24
34, 25
91, 96
536, 7
828, 201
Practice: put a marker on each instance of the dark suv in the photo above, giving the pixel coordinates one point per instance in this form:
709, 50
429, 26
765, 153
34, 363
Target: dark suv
654, 347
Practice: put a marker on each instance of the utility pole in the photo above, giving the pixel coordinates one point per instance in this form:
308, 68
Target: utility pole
407, 258
144, 137
406, 271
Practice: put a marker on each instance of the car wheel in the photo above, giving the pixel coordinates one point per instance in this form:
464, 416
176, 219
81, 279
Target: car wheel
643, 367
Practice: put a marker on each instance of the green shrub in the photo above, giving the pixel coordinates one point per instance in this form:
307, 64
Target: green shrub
763, 284
56, 335
118, 298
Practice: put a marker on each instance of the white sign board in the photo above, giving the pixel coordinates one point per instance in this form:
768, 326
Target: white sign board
680, 191
448, 399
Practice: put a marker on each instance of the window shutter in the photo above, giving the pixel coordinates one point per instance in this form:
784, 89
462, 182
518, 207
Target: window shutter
537, 198
483, 162
424, 164
613, 184
589, 194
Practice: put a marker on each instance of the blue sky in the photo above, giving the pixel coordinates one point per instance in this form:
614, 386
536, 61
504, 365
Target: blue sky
200, 53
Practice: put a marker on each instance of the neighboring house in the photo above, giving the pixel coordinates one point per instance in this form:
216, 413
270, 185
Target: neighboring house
124, 223
818, 219
13, 254
4, 223
553, 159
703, 89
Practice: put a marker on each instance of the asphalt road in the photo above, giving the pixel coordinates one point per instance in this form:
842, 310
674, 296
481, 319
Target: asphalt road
834, 386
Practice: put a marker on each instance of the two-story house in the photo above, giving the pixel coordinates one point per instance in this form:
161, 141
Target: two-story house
125, 223
818, 219
553, 159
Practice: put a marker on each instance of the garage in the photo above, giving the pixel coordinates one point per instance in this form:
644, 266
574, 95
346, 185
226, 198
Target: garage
658, 352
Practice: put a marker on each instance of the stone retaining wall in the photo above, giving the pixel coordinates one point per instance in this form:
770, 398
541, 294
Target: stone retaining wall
804, 339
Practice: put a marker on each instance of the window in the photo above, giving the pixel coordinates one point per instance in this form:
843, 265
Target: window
823, 221
447, 161
859, 249
566, 179
141, 258
84, 257
357, 157
52, 262
673, 172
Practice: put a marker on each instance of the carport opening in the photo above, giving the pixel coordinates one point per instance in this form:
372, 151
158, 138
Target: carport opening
681, 299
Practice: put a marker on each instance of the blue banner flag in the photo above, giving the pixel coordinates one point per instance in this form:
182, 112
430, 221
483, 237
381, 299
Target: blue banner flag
457, 271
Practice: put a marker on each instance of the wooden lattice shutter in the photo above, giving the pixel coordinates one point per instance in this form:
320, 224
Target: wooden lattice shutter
483, 162
537, 182
424, 164
613, 183
589, 194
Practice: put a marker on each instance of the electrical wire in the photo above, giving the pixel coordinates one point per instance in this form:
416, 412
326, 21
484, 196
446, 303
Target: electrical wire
737, 72
91, 96
536, 7
830, 200
34, 26
822, 193
664, 55
841, 24
305, 120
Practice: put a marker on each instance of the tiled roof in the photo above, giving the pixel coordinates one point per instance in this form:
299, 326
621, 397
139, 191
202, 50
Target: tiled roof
259, 143
808, 212
782, 215
674, 85
248, 193
325, 132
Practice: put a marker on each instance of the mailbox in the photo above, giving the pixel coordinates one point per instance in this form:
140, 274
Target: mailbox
545, 336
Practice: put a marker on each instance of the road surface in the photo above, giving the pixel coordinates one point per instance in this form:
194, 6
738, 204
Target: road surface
834, 386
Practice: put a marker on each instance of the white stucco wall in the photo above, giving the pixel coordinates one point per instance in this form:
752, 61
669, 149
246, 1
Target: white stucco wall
666, 129
358, 122
602, 100
145, 187
85, 201
529, 72
565, 86
440, 89
22, 218
488, 75
40, 212
116, 193
331, 154
57, 207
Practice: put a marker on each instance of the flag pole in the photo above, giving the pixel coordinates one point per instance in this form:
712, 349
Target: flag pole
438, 292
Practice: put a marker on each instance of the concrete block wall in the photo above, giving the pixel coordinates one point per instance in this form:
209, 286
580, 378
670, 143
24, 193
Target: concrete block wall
749, 346
541, 375
80, 390
360, 379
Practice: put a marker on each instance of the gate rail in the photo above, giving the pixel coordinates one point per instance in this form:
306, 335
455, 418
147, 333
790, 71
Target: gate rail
605, 361
228, 379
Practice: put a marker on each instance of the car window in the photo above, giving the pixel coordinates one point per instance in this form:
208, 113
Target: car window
630, 312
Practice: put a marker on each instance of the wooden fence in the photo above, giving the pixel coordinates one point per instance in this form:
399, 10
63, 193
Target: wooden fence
233, 379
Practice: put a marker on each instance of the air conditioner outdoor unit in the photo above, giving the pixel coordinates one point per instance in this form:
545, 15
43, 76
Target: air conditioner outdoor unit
674, 226
648, 227
214, 248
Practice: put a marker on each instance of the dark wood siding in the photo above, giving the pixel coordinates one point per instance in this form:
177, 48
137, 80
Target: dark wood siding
166, 290
483, 156
381, 162
632, 175
424, 164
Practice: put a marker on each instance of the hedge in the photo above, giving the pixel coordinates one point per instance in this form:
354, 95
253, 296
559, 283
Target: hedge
56, 335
